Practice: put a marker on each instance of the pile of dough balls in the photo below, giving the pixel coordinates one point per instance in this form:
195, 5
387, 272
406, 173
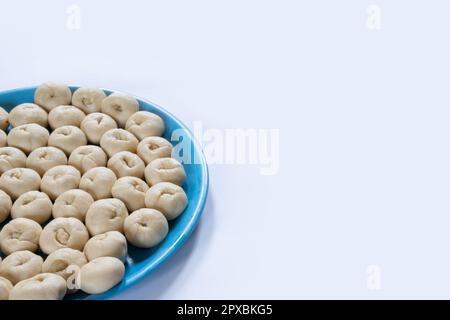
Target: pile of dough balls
82, 177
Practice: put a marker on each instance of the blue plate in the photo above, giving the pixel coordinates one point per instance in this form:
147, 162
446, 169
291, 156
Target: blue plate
141, 262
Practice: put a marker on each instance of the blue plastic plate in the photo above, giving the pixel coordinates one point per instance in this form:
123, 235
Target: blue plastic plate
141, 262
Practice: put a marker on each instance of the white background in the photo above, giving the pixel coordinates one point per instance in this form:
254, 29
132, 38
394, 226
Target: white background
364, 125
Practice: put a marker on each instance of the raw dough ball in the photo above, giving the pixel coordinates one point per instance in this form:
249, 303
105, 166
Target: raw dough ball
5, 288
60, 179
11, 158
32, 205
168, 198
109, 244
85, 158
63, 233
98, 182
120, 106
59, 260
26, 113
145, 124
89, 100
67, 138
52, 94
131, 191
101, 274
44, 286
94, 125
165, 170
4, 123
20, 265
125, 163
3, 138
145, 228
5, 205
116, 140
19, 180
65, 116
73, 203
43, 159
28, 137
20, 234
106, 215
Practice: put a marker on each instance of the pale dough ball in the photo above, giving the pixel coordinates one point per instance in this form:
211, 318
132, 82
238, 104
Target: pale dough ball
89, 100
60, 179
98, 182
168, 198
3, 138
106, 215
145, 124
67, 138
125, 163
18, 181
109, 244
117, 140
28, 137
145, 228
20, 265
43, 159
5, 288
5, 205
120, 107
131, 191
85, 158
72, 203
43, 286
101, 274
94, 125
11, 158
20, 234
52, 94
61, 262
63, 233
4, 123
26, 113
65, 116
165, 170
34, 205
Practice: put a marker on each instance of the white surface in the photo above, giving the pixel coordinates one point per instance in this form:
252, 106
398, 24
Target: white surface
364, 121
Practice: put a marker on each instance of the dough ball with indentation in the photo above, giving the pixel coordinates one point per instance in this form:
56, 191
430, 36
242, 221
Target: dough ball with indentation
63, 233
28, 113
94, 125
20, 234
98, 182
4, 122
145, 228
106, 215
28, 137
67, 138
89, 100
120, 107
18, 181
65, 116
5, 288
168, 198
20, 265
3, 138
63, 262
131, 191
125, 164
72, 203
5, 205
108, 244
43, 286
59, 179
101, 274
145, 124
49, 95
34, 205
85, 158
165, 170
43, 159
116, 140
11, 158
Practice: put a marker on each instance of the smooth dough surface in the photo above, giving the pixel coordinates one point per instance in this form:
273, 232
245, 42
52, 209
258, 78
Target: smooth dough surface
116, 140
165, 170
88, 99
94, 125
18, 181
65, 116
11, 158
20, 265
101, 274
126, 164
145, 124
72, 203
168, 198
4, 123
28, 137
43, 159
131, 191
67, 138
106, 215
108, 244
145, 228
34, 205
20, 234
52, 94
43, 286
63, 233
98, 182
59, 179
85, 158
28, 113
120, 107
